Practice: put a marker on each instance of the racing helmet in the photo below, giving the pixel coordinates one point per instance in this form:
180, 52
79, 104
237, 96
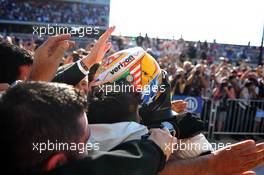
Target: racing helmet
134, 67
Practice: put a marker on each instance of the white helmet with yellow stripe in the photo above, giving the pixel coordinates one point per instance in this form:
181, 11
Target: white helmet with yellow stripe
134, 66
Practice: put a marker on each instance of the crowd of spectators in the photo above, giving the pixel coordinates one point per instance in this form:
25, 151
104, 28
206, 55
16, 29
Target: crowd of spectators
55, 12
205, 69
191, 49
222, 74
37, 110
46, 98
218, 80
201, 69
232, 88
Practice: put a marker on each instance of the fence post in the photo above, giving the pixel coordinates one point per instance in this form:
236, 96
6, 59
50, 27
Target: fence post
212, 118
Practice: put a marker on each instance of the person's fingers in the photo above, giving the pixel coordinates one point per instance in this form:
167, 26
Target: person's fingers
242, 145
154, 130
68, 60
260, 146
107, 34
249, 173
100, 46
254, 160
251, 165
71, 44
252, 149
248, 150
151, 130
52, 40
166, 130
174, 140
107, 47
60, 49
158, 130
259, 155
254, 153
109, 31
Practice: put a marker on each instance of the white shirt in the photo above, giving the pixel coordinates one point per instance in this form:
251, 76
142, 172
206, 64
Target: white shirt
110, 135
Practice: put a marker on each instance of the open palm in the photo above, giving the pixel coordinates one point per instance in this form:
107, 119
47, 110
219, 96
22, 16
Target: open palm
100, 48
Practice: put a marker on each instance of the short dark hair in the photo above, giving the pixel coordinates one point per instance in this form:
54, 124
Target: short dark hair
113, 107
11, 58
35, 112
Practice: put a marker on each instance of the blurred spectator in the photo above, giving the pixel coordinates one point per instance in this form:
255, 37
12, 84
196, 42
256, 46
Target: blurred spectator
176, 58
250, 89
55, 12
15, 63
179, 84
197, 81
221, 94
139, 40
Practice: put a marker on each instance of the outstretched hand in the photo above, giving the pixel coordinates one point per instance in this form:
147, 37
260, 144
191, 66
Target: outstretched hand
48, 57
238, 158
100, 48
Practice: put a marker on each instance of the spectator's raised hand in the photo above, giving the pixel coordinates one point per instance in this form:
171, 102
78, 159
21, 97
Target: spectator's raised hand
99, 50
48, 57
238, 158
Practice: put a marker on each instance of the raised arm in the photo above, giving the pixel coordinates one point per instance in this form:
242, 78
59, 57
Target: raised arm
79, 70
48, 57
236, 159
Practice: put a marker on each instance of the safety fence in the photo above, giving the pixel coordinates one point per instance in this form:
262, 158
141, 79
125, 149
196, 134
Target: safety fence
234, 117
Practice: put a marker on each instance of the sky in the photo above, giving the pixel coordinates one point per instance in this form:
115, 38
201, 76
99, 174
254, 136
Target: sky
227, 21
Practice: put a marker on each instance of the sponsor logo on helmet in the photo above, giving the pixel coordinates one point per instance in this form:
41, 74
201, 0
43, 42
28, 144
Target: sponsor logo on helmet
111, 59
122, 64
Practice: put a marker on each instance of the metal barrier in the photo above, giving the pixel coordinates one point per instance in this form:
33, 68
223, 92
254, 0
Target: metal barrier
236, 117
208, 115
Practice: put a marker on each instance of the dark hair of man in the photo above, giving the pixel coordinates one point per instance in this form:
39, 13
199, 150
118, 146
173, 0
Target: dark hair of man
35, 112
11, 58
114, 107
